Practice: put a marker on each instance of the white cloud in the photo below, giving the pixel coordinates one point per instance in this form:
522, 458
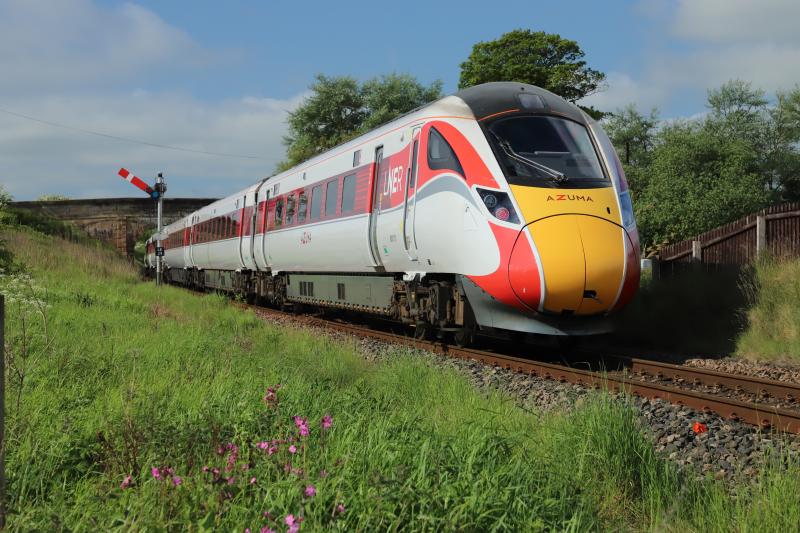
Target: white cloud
78, 63
737, 21
47, 46
706, 43
622, 90
37, 159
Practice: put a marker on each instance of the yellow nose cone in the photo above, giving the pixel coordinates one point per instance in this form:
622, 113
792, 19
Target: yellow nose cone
583, 258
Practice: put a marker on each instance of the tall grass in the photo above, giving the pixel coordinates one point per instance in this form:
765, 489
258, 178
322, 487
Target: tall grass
699, 312
150, 409
773, 318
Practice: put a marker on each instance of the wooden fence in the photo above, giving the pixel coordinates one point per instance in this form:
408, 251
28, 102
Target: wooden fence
774, 230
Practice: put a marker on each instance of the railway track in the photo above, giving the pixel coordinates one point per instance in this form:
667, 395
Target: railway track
765, 403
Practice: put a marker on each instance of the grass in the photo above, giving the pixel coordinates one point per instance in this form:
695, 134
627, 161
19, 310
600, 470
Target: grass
696, 312
773, 317
121, 378
752, 313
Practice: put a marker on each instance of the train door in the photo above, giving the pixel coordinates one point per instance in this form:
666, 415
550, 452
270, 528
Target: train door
251, 240
409, 237
377, 171
187, 244
192, 239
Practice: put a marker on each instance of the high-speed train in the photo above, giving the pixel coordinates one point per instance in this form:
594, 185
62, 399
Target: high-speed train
502, 207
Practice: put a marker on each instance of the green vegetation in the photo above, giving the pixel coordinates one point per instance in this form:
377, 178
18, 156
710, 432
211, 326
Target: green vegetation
773, 318
543, 59
695, 312
689, 176
753, 313
120, 394
340, 108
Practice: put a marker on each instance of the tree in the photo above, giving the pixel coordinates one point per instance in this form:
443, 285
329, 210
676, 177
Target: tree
390, 96
543, 59
339, 108
698, 179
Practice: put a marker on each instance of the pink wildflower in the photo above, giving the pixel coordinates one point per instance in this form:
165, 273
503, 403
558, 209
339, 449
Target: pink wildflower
215, 471
247, 530
263, 445
267, 515
231, 480
126, 482
311, 491
302, 424
155, 472
176, 480
323, 473
293, 523
204, 469
327, 422
340, 508
292, 449
266, 529
252, 481
272, 450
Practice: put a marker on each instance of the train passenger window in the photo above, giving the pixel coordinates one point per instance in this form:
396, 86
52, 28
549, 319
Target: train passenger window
331, 197
356, 158
441, 155
279, 213
302, 207
316, 202
290, 205
348, 193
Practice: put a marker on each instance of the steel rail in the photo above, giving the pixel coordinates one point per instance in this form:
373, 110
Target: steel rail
737, 382
762, 415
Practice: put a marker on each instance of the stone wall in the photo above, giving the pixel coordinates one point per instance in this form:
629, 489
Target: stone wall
118, 221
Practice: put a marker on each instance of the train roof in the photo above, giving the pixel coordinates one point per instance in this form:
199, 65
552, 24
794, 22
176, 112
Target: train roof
495, 98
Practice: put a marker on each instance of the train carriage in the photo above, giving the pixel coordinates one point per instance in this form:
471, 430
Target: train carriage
500, 207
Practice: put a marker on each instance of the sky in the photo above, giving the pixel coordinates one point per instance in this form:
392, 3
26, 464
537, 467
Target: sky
203, 76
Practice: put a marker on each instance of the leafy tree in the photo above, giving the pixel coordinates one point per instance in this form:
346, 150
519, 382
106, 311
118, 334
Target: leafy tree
699, 179
543, 59
390, 96
339, 108
331, 115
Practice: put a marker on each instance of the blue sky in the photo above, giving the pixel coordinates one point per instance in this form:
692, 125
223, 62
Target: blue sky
214, 76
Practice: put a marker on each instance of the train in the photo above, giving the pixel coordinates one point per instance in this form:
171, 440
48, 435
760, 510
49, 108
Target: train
502, 209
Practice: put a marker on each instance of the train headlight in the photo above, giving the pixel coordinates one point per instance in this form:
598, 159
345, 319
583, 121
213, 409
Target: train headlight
499, 205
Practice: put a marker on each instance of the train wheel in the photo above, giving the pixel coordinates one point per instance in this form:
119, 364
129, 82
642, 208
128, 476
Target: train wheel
423, 331
464, 337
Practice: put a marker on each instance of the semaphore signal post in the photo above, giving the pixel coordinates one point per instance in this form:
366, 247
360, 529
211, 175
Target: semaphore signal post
156, 192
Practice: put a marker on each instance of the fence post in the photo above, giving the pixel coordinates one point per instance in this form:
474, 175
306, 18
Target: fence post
2, 412
761, 234
697, 252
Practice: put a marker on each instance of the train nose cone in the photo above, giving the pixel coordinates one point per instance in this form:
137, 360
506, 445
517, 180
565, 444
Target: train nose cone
583, 263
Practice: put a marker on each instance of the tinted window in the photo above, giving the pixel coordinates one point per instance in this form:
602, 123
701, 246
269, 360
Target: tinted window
440, 155
331, 197
316, 202
302, 207
546, 150
279, 212
348, 193
290, 205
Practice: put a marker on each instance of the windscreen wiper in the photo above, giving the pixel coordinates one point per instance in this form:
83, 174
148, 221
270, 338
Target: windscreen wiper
555, 175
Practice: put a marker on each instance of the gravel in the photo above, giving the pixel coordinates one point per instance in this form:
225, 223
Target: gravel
761, 369
725, 450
